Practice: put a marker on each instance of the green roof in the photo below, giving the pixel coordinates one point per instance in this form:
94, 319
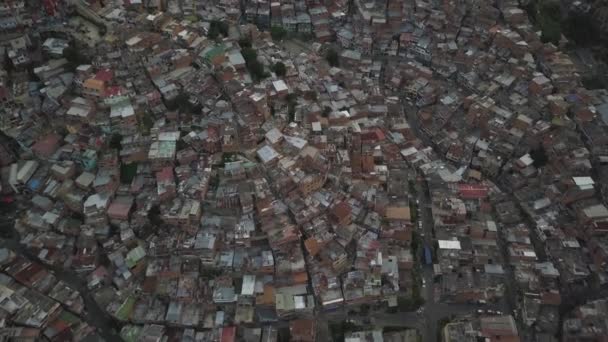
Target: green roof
213, 52
69, 318
130, 333
124, 312
134, 256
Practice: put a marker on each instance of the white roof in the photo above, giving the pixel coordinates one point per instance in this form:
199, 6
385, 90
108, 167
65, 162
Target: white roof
77, 111
409, 151
449, 244
236, 58
316, 126
526, 160
133, 41
530, 254
296, 142
583, 181
248, 285
122, 111
97, 200
168, 136
267, 154
274, 135
279, 85
27, 171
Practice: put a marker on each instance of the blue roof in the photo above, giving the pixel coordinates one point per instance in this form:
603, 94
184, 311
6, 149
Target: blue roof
33, 184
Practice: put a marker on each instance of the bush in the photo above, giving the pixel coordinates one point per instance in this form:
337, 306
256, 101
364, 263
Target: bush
279, 69
255, 68
326, 111
539, 155
146, 123
128, 172
580, 28
216, 28
551, 31
278, 33
245, 43
547, 16
75, 57
115, 141
332, 58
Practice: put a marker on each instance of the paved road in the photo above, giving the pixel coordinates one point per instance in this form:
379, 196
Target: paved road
435, 311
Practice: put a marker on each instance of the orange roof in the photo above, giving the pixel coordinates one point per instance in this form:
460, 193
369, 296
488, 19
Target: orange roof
312, 246
92, 83
300, 278
267, 298
398, 213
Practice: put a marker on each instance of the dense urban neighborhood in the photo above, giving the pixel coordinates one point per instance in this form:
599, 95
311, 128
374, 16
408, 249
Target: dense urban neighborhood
301, 170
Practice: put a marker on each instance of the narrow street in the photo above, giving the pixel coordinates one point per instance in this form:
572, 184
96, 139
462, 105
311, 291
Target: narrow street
93, 315
433, 310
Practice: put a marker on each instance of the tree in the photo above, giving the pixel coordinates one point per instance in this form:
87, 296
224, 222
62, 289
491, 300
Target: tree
249, 54
128, 172
580, 28
292, 101
279, 69
278, 33
326, 111
539, 155
75, 57
547, 14
255, 68
216, 28
154, 216
245, 42
332, 58
115, 141
551, 31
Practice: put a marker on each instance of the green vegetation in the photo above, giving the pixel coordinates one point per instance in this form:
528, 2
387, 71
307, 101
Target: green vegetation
579, 27
326, 111
539, 155
441, 325
416, 243
128, 172
229, 157
546, 14
146, 123
406, 304
216, 28
210, 273
115, 141
182, 103
255, 68
278, 33
413, 212
338, 330
279, 69
292, 101
75, 57
332, 57
154, 216
130, 333
245, 43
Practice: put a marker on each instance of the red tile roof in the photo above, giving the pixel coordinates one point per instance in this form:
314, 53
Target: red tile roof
105, 75
228, 334
473, 191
